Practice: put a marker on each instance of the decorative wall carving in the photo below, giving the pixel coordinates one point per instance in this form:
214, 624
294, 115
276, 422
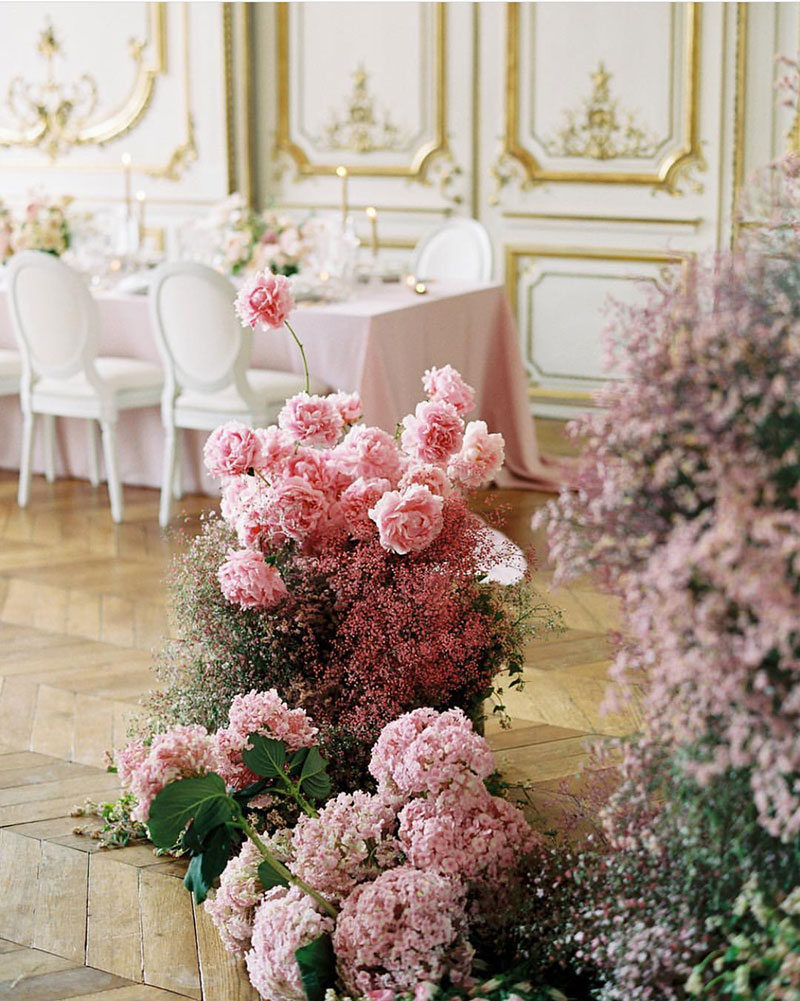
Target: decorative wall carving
362, 128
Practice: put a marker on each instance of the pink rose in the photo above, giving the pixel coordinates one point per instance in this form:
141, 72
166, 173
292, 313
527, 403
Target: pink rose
356, 502
408, 520
369, 452
248, 580
274, 449
300, 507
349, 406
313, 420
237, 495
258, 520
265, 299
432, 477
230, 449
433, 433
480, 458
311, 465
446, 386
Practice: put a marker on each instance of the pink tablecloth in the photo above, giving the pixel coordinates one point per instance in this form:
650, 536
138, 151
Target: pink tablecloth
378, 343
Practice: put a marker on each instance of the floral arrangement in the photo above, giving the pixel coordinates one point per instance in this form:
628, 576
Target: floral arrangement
376, 894
44, 225
6, 233
253, 241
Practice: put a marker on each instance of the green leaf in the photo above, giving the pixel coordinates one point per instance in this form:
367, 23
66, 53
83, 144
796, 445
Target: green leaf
297, 760
208, 864
317, 967
270, 877
267, 756
314, 780
179, 802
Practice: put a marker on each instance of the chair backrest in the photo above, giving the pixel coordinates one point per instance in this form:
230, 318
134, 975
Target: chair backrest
54, 316
202, 344
459, 249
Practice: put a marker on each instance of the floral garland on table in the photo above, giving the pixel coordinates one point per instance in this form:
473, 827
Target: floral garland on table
252, 241
43, 226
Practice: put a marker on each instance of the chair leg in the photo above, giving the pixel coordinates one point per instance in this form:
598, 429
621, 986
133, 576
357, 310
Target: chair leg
167, 478
49, 429
91, 445
112, 472
26, 458
177, 478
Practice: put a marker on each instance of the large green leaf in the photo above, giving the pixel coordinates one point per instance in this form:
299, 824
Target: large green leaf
297, 760
317, 964
267, 757
208, 864
270, 877
314, 781
178, 802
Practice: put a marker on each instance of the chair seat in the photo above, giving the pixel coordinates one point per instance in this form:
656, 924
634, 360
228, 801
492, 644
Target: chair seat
269, 387
121, 376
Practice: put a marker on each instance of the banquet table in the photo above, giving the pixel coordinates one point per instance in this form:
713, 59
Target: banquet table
379, 343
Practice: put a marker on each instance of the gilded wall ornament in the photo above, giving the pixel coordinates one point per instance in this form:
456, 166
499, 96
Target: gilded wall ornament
596, 131
362, 129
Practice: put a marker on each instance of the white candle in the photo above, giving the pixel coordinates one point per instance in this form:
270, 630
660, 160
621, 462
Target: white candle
342, 173
126, 169
141, 198
372, 215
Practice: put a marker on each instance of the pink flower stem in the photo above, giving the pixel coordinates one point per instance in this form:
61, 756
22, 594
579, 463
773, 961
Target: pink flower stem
302, 353
281, 869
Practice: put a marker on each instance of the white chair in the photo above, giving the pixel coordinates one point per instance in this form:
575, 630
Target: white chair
206, 351
458, 250
56, 325
10, 372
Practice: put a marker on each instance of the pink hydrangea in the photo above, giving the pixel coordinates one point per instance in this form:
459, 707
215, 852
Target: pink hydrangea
356, 502
285, 920
313, 420
408, 520
230, 449
258, 712
445, 385
265, 299
247, 579
432, 477
274, 450
474, 837
350, 842
426, 751
370, 453
433, 433
233, 905
299, 506
480, 458
349, 406
180, 753
404, 927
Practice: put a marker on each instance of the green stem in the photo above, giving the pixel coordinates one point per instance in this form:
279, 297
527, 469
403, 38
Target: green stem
302, 353
281, 869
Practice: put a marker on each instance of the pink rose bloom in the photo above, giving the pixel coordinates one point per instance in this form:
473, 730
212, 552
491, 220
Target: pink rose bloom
310, 465
480, 458
265, 299
273, 451
230, 450
432, 477
313, 420
246, 579
408, 520
300, 507
349, 406
369, 452
447, 386
258, 519
237, 495
356, 502
433, 433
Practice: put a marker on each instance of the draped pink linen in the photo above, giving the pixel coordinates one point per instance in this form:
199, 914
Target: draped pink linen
378, 343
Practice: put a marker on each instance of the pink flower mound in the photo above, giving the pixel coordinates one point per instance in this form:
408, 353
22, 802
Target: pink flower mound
247, 579
258, 712
285, 920
432, 477
480, 458
299, 507
356, 502
370, 453
349, 406
313, 420
233, 905
477, 838
181, 753
349, 843
265, 299
408, 520
445, 385
230, 450
274, 450
425, 751
405, 927
433, 434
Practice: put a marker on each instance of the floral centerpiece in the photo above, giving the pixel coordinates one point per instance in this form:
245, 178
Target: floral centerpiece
253, 241
6, 233
44, 225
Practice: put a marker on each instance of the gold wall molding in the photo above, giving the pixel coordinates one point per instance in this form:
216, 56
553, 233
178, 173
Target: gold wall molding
361, 129
237, 30
289, 152
515, 162
48, 125
615, 219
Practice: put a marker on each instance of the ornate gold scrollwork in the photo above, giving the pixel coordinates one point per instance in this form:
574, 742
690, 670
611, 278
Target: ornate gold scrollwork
361, 130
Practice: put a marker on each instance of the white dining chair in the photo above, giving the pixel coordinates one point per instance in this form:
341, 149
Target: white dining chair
457, 250
10, 372
56, 326
206, 352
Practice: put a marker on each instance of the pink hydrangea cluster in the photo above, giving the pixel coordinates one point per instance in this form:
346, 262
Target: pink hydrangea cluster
258, 712
264, 300
182, 752
233, 905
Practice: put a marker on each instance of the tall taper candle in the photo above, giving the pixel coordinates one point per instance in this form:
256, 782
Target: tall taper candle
342, 172
126, 168
372, 215
141, 198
